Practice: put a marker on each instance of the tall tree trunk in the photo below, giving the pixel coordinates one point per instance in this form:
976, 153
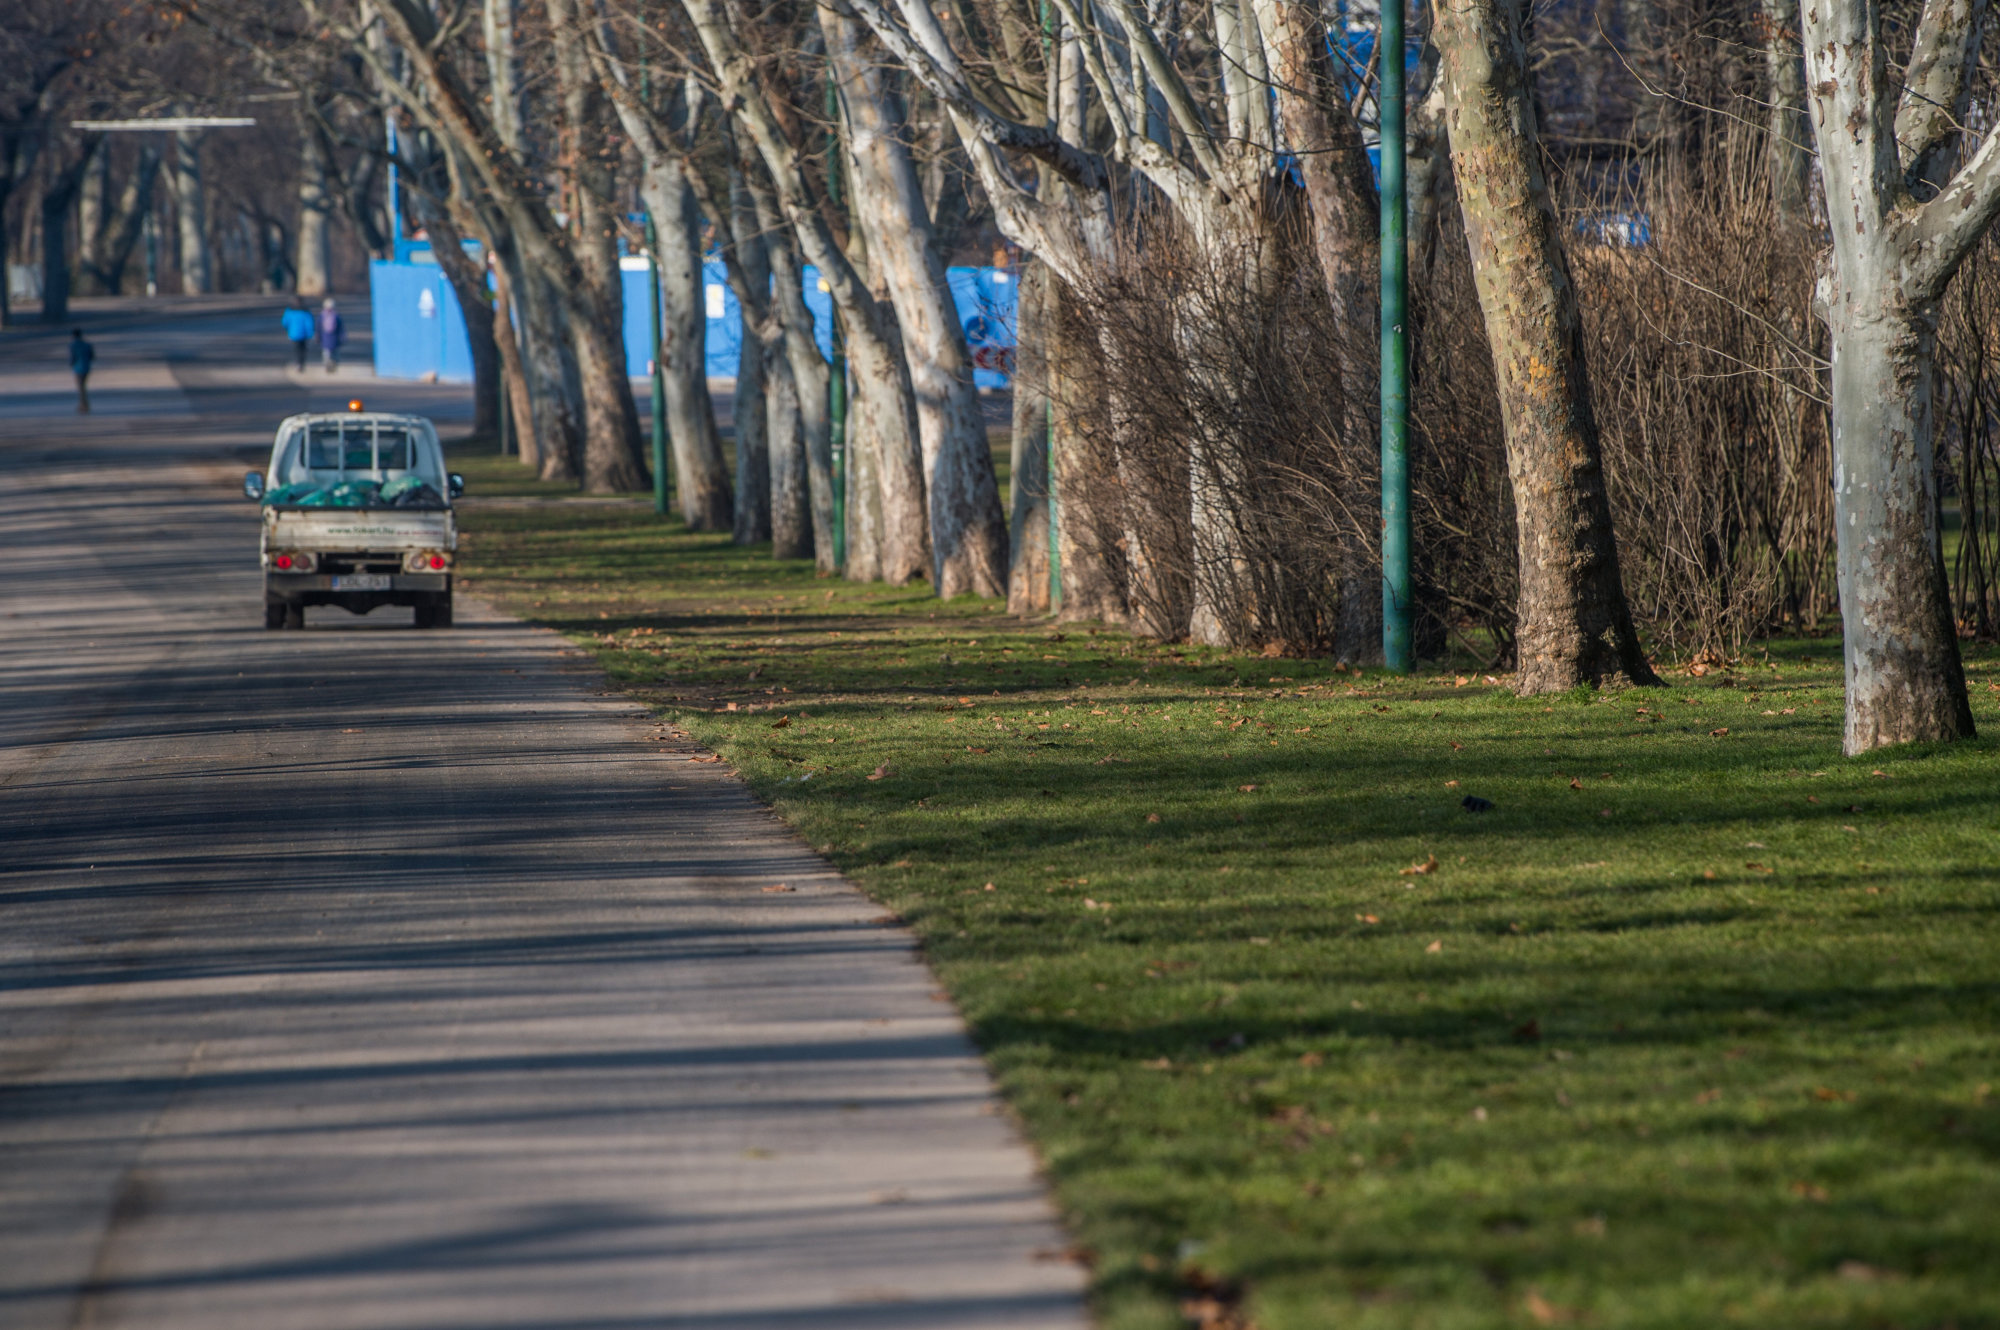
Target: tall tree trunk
191, 215
1902, 223
1028, 455
801, 456
968, 531
558, 415
1095, 585
753, 443
93, 223
613, 455
58, 198
313, 263
1790, 151
507, 342
1904, 678
1574, 624
881, 424
699, 474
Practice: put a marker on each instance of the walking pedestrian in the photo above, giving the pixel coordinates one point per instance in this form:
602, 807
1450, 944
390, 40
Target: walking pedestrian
81, 353
331, 331
299, 325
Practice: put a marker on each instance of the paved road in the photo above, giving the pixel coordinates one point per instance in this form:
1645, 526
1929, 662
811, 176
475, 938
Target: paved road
364, 977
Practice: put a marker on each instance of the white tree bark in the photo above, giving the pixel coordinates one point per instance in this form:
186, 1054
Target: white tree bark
700, 478
191, 215
968, 532
1892, 256
888, 535
801, 450
1028, 471
311, 265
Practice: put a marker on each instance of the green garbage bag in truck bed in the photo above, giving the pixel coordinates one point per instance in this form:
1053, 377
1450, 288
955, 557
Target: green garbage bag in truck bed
296, 493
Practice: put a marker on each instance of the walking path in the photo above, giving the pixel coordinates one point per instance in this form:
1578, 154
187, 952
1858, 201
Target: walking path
365, 977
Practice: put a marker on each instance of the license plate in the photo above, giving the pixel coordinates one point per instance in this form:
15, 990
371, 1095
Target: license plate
361, 582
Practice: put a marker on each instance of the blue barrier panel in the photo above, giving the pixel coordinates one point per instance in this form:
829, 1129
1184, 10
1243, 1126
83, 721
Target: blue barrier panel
454, 347
420, 330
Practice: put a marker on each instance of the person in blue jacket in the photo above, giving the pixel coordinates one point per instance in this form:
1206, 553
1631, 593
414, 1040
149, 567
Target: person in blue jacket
331, 332
298, 322
81, 353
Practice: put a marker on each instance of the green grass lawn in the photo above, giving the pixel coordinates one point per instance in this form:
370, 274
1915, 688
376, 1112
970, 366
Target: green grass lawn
1698, 1025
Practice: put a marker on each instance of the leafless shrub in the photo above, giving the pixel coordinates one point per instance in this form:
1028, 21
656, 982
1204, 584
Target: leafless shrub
1705, 361
1968, 440
1187, 368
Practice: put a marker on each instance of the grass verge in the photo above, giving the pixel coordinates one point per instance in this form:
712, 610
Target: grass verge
1695, 1026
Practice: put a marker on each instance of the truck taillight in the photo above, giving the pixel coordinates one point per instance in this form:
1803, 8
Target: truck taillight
437, 561
283, 561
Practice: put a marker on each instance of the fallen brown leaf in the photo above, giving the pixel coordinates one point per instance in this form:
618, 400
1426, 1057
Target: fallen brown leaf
1717, 734
1247, 789
1435, 947
1542, 1310
1429, 865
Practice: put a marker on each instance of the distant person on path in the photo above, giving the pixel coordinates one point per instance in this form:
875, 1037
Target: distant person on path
299, 328
81, 353
331, 331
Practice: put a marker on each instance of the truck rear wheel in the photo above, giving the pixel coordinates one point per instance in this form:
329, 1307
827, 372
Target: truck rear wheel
435, 612
295, 614
274, 614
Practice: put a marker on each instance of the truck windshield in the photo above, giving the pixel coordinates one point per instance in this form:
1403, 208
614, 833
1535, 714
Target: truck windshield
349, 461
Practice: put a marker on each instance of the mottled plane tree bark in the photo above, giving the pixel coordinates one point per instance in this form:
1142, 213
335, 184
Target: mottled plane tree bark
968, 531
1902, 221
1574, 626
889, 534
613, 456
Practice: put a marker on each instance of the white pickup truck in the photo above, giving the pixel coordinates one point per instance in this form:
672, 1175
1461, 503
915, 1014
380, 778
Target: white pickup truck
357, 513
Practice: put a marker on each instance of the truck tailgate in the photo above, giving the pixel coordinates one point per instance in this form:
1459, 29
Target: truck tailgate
359, 528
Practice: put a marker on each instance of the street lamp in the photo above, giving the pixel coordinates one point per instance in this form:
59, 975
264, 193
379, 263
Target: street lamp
1396, 655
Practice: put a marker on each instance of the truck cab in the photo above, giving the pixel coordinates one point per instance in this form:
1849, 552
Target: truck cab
356, 513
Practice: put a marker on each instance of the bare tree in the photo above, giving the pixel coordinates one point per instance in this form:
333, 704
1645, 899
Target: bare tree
968, 531
889, 536
1574, 624
452, 109
314, 258
1902, 222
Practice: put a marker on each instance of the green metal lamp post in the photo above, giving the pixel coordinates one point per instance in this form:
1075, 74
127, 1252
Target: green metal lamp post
1396, 655
836, 379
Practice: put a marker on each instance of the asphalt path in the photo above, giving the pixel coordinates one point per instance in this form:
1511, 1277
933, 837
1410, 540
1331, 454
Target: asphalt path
367, 977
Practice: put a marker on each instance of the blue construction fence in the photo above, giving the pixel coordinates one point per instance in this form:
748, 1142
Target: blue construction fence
420, 333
